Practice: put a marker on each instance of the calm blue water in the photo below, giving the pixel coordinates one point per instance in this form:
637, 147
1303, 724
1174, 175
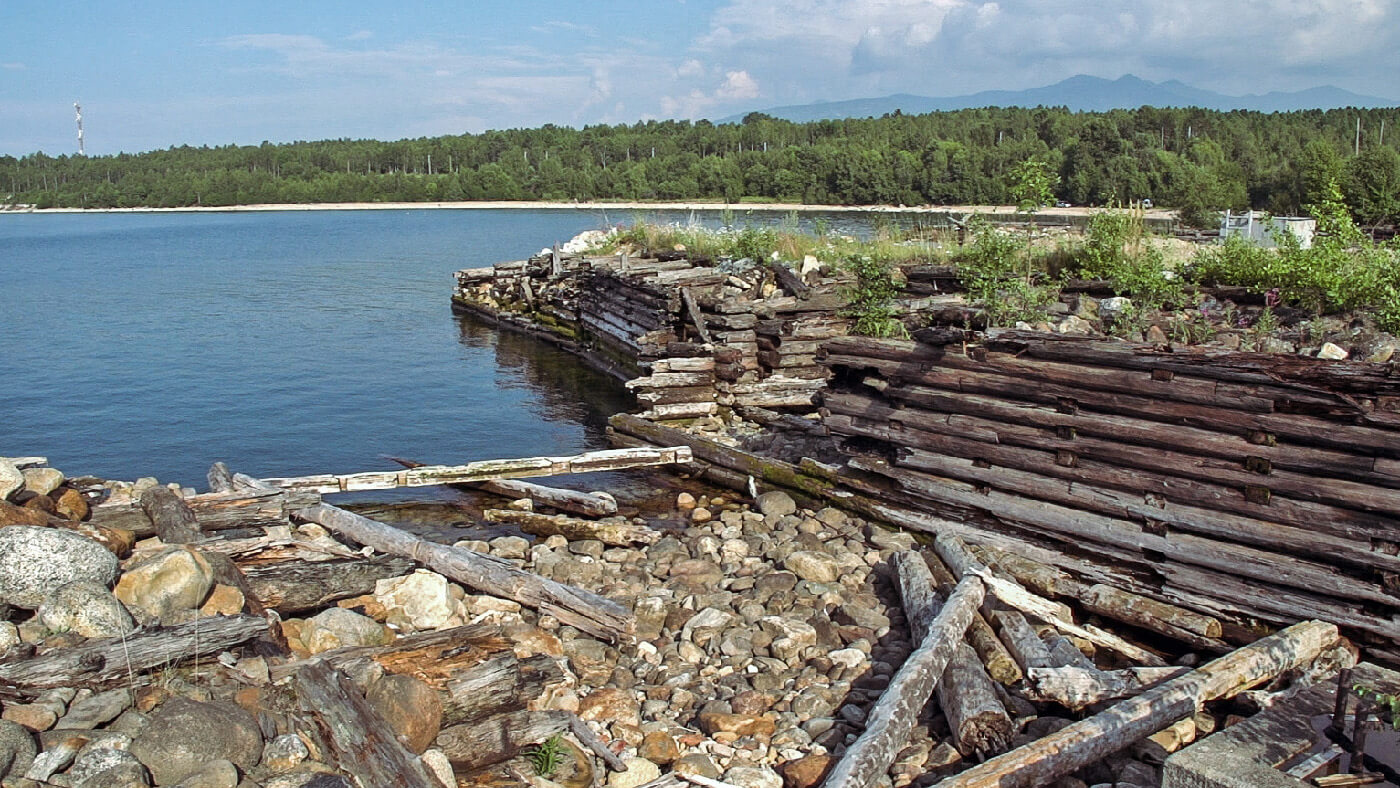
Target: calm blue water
281, 343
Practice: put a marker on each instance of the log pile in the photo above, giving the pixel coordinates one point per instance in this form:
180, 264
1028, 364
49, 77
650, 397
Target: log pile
690, 336
1240, 485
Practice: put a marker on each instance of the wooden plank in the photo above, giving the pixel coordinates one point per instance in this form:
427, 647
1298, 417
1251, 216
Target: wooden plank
358, 740
431, 475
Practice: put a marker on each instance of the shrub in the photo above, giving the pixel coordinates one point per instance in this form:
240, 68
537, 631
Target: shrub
872, 297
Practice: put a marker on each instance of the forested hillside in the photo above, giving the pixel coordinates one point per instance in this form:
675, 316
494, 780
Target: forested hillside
1188, 158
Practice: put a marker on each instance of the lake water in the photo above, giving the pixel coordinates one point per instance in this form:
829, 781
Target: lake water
281, 343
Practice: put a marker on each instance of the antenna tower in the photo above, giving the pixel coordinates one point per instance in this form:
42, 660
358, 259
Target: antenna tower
78, 109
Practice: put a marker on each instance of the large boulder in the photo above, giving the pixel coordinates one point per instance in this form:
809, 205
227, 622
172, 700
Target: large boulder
184, 735
167, 587
85, 608
17, 749
34, 561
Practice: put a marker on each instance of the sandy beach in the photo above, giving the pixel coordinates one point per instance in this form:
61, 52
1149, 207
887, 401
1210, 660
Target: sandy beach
1155, 213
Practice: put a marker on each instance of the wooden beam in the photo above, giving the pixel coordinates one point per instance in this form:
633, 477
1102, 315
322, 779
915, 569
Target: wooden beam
1119, 727
895, 713
483, 470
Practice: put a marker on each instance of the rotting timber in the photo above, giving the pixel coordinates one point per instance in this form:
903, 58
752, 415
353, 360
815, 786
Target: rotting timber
1258, 489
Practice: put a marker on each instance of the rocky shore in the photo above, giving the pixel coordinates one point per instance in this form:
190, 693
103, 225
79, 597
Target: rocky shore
764, 634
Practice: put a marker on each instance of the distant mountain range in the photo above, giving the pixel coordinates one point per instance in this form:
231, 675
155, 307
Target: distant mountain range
1082, 94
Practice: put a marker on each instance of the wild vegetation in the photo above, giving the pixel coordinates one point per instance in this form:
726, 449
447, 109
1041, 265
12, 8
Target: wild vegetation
1195, 160
1012, 276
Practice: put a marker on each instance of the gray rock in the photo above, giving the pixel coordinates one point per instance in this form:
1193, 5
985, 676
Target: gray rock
509, 547
775, 504
17, 749
183, 735
336, 627
96, 710
85, 608
308, 780
11, 479
42, 481
105, 767
753, 777
1115, 307
34, 561
284, 753
215, 774
813, 566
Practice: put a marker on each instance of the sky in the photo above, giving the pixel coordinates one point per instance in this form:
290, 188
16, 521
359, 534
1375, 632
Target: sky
152, 74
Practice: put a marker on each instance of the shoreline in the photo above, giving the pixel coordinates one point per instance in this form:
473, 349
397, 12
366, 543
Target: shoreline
1155, 213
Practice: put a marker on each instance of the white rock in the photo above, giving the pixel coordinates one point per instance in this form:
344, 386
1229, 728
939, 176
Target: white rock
42, 481
1117, 305
10, 478
1333, 352
753, 777
336, 627
809, 264
439, 767
417, 602
639, 772
85, 608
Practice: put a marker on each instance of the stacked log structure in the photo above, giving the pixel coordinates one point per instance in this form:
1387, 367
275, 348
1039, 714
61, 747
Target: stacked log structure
1260, 488
691, 336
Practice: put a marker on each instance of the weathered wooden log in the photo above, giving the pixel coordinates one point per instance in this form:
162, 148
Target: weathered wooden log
696, 318
978, 721
1261, 368
959, 559
1129, 721
217, 511
104, 661
996, 659
1022, 640
594, 614
591, 504
671, 380
888, 725
291, 587
1064, 653
610, 532
498, 738
429, 475
790, 282
1076, 688
356, 738
174, 520
1187, 488
681, 410
1079, 525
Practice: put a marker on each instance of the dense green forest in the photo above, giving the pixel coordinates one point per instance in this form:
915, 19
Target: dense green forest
1196, 160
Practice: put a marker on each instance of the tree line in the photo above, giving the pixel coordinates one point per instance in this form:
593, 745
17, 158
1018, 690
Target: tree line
1193, 159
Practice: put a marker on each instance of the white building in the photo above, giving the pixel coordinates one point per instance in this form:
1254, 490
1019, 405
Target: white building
1263, 229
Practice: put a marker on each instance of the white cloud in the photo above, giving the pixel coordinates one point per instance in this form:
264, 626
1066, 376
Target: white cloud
804, 50
12, 66
360, 35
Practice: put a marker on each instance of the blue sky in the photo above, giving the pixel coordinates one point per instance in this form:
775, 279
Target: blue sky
155, 74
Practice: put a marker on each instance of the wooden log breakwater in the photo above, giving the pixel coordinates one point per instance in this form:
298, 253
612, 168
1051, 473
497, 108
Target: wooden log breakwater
689, 336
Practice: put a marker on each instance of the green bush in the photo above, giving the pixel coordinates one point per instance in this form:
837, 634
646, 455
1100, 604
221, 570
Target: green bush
998, 272
1116, 249
872, 297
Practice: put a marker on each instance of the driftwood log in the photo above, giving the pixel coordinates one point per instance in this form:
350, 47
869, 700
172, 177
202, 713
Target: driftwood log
996, 658
976, 717
1129, 721
497, 738
356, 738
590, 504
621, 533
892, 718
104, 661
291, 587
952, 550
430, 475
1077, 687
589, 612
